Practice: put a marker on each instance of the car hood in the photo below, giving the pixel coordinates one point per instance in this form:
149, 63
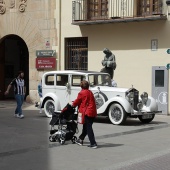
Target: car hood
107, 88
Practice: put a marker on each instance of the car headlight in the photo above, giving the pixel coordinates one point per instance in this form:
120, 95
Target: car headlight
139, 105
144, 97
130, 96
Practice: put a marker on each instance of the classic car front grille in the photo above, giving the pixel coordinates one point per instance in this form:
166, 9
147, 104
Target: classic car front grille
136, 99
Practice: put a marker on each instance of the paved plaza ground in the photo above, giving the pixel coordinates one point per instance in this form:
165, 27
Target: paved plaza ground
24, 144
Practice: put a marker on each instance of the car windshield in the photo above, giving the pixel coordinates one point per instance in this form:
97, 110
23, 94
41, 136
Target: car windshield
99, 80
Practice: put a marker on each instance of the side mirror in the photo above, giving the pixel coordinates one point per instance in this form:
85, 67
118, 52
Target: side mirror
68, 87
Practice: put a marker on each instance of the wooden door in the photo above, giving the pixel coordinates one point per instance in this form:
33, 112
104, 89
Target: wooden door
97, 9
150, 7
146, 7
2, 67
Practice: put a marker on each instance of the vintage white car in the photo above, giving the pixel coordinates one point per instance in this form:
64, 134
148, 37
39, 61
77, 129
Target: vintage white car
62, 87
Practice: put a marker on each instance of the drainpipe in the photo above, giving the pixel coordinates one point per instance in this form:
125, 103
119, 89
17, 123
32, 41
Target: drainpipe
59, 36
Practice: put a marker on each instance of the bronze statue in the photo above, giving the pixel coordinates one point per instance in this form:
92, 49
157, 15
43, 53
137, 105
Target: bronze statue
109, 62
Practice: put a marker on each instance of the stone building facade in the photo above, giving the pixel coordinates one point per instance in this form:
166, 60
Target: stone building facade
34, 23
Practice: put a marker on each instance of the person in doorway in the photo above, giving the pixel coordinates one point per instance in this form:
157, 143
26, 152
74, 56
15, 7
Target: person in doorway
86, 105
40, 94
19, 91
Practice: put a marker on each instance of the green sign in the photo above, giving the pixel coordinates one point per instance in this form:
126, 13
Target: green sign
168, 51
45, 53
168, 66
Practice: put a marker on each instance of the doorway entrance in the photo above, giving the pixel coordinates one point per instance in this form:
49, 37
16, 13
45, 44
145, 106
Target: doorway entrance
14, 56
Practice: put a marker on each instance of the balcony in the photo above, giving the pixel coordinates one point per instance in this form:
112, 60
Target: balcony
87, 12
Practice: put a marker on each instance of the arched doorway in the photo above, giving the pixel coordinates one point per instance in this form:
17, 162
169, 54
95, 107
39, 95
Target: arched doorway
14, 56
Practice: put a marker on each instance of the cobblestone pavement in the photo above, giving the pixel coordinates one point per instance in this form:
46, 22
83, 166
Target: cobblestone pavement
24, 144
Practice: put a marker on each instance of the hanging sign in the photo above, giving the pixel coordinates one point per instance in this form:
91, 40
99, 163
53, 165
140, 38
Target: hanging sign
45, 53
46, 63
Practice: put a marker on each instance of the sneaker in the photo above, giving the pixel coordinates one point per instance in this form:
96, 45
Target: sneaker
16, 115
21, 116
93, 146
79, 142
36, 104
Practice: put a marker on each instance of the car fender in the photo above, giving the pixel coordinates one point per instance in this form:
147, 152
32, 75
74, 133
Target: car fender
120, 100
54, 98
151, 105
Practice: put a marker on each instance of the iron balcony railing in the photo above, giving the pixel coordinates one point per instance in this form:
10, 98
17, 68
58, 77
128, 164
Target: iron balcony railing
93, 10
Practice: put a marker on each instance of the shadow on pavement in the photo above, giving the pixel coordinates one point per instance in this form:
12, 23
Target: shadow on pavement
129, 121
107, 145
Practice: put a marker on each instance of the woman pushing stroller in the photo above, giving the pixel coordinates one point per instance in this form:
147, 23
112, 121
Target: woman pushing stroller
87, 106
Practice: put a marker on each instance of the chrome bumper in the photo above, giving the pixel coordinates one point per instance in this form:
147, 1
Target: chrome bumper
145, 112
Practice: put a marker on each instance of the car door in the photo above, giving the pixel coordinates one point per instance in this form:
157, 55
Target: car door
48, 84
61, 90
75, 85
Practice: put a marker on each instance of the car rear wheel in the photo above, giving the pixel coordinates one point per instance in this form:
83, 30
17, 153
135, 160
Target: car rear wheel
49, 107
146, 120
117, 114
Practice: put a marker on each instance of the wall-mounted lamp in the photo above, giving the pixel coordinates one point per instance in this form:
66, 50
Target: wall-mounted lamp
168, 2
168, 8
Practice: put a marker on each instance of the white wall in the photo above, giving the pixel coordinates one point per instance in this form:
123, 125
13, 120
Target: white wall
130, 42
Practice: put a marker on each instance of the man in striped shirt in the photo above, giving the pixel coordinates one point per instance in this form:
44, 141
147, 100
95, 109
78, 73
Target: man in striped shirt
19, 91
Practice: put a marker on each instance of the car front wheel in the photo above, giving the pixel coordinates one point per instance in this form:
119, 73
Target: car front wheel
117, 114
49, 107
144, 120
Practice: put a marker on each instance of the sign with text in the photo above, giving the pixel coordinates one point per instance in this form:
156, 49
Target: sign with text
45, 53
45, 63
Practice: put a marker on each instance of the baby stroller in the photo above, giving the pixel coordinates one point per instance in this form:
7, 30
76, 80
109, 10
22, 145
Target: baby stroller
67, 127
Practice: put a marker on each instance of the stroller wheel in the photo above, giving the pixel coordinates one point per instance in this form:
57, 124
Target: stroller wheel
51, 139
74, 139
61, 141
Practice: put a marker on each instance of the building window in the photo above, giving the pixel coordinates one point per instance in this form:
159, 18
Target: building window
76, 53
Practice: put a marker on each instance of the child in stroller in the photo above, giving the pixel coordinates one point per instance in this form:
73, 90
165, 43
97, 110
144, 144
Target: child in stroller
67, 127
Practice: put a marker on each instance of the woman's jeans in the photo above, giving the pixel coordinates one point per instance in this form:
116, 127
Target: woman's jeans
19, 99
88, 130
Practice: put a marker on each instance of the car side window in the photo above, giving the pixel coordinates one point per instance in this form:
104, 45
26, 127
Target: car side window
49, 80
76, 80
62, 80
92, 81
99, 79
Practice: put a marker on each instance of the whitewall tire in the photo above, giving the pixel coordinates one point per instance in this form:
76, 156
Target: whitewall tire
117, 114
49, 108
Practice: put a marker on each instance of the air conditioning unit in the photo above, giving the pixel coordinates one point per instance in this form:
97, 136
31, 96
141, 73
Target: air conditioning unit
123, 8
77, 10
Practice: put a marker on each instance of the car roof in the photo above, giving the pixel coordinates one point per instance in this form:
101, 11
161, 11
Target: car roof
83, 72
